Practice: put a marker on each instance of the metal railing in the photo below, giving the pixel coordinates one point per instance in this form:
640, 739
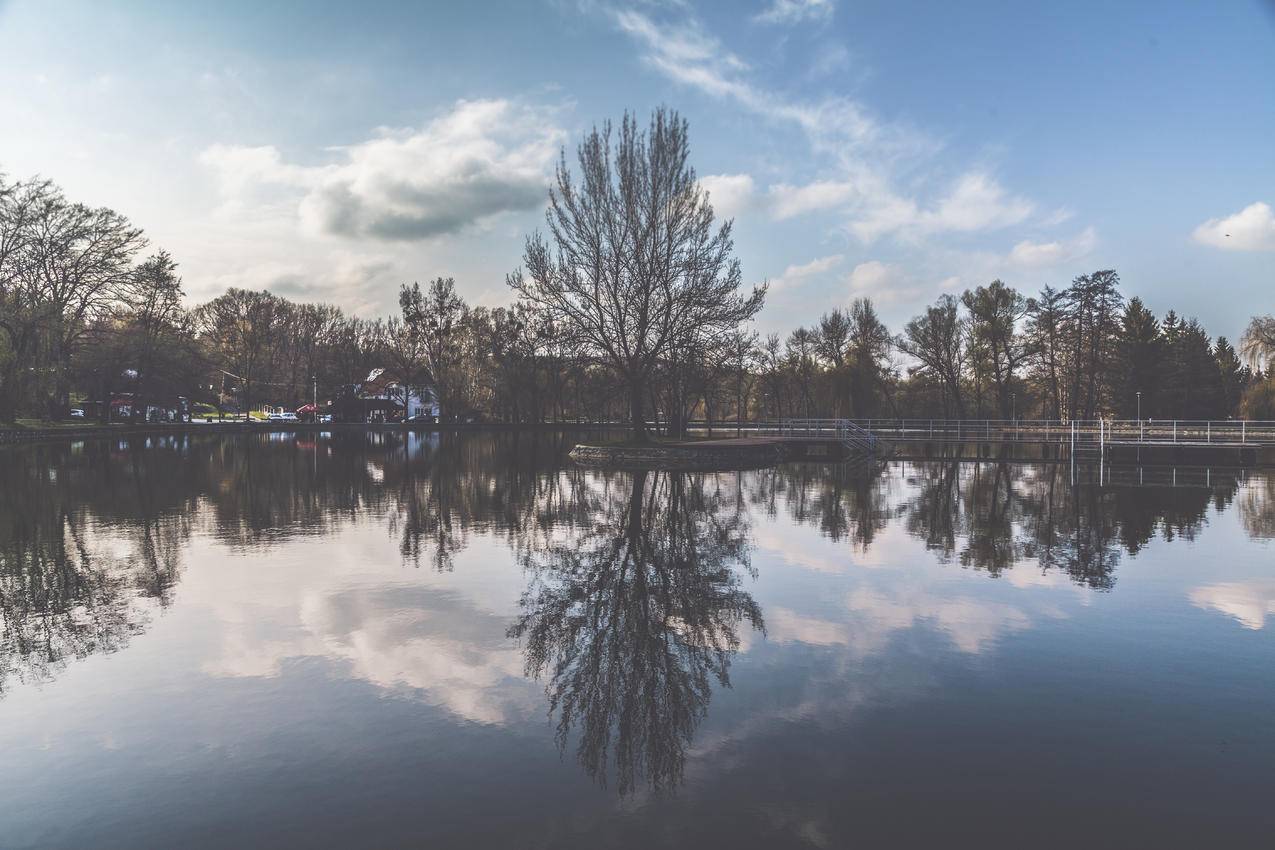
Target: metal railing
1080, 433
1084, 433
852, 435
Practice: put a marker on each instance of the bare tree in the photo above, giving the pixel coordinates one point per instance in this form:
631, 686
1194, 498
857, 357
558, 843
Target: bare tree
1258, 343
19, 314
78, 259
439, 317
242, 329
936, 339
153, 319
870, 343
62, 266
636, 265
994, 312
1045, 347
742, 357
799, 351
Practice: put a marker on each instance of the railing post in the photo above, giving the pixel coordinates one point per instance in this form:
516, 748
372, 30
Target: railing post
1208, 431
1243, 431
1175, 431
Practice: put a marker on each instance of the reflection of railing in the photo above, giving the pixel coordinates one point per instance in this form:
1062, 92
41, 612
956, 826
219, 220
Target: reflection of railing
1225, 479
1083, 435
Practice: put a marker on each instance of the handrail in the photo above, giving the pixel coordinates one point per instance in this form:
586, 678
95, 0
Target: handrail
1081, 433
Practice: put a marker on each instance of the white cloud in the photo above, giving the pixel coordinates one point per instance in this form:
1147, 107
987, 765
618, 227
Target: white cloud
1029, 254
971, 625
795, 11
976, 202
884, 283
828, 59
1250, 229
480, 159
730, 194
1249, 602
788, 201
683, 52
796, 274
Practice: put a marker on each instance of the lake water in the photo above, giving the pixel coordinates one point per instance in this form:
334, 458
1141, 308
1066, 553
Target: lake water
463, 641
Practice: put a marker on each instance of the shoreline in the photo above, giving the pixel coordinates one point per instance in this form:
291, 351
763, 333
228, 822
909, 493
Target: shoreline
13, 436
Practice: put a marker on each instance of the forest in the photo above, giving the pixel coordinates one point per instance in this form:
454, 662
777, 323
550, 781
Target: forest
86, 310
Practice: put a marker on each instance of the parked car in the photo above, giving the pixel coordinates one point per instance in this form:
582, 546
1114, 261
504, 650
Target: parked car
427, 418
76, 413
282, 417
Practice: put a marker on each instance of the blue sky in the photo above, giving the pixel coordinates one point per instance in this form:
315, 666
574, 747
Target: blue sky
333, 150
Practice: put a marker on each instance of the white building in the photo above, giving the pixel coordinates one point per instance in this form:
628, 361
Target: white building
417, 401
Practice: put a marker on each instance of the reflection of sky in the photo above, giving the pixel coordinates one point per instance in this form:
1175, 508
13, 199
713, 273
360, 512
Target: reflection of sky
1249, 602
317, 640
348, 601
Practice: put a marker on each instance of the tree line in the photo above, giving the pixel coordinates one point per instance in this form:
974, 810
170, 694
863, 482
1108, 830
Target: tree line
630, 307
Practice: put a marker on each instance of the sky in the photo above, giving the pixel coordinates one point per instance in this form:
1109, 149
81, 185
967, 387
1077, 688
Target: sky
332, 151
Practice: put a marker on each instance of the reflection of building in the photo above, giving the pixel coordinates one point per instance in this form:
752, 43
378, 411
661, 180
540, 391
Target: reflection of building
383, 397
125, 407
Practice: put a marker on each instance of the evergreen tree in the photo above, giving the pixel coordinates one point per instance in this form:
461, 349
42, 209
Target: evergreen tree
1192, 381
1173, 390
1233, 377
1141, 348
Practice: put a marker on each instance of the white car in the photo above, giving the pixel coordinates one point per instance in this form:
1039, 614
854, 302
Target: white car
282, 417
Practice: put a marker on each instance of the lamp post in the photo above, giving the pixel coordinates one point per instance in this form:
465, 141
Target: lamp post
1139, 416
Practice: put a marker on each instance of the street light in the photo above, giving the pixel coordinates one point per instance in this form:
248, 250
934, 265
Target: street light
1139, 394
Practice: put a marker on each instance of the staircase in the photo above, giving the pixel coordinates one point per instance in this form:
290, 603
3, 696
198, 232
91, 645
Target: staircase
856, 438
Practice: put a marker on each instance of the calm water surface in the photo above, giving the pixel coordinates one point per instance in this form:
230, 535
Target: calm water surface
380, 641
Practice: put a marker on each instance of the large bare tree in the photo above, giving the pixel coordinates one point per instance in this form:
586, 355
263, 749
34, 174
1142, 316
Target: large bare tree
1258, 342
936, 340
62, 266
634, 265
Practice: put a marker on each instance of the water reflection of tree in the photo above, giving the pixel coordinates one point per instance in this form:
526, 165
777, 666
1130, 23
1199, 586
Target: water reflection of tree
503, 483
82, 565
847, 501
91, 533
1257, 506
634, 614
989, 516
